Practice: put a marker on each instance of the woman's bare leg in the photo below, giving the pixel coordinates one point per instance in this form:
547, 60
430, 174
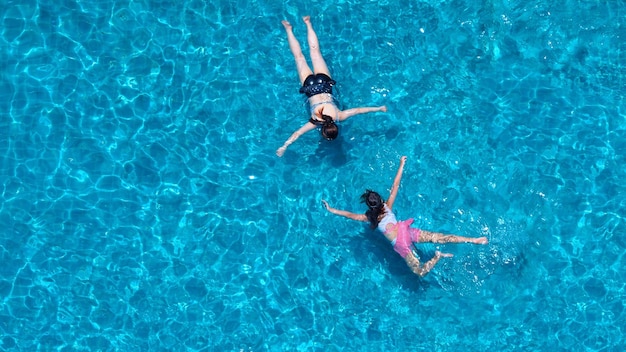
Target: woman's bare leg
303, 68
436, 237
414, 263
319, 65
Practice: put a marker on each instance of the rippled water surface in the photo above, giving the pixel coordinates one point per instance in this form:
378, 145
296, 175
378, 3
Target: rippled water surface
143, 207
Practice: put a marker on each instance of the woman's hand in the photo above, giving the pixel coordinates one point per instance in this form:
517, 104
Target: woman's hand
346, 214
402, 160
331, 209
281, 151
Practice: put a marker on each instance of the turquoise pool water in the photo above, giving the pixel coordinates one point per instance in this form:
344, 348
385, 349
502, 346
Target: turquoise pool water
143, 207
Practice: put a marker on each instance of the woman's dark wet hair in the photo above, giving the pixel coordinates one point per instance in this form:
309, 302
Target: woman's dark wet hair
329, 128
375, 206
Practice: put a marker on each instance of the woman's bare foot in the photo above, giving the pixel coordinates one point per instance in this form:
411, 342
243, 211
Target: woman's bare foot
439, 254
481, 240
286, 24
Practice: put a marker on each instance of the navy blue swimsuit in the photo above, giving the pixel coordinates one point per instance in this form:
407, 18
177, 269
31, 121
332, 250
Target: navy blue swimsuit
317, 84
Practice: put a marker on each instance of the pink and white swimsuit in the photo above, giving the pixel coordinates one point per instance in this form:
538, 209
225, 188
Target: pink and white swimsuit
406, 235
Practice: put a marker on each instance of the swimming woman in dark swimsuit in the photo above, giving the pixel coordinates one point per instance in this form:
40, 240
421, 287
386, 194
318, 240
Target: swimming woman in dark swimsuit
318, 87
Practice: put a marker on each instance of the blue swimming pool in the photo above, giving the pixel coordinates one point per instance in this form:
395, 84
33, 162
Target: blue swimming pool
143, 207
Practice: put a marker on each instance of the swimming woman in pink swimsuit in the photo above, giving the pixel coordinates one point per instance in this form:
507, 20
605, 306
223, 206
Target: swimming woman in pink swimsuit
400, 233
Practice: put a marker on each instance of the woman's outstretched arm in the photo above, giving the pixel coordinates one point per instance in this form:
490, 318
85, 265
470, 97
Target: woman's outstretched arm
346, 114
302, 130
396, 183
346, 214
